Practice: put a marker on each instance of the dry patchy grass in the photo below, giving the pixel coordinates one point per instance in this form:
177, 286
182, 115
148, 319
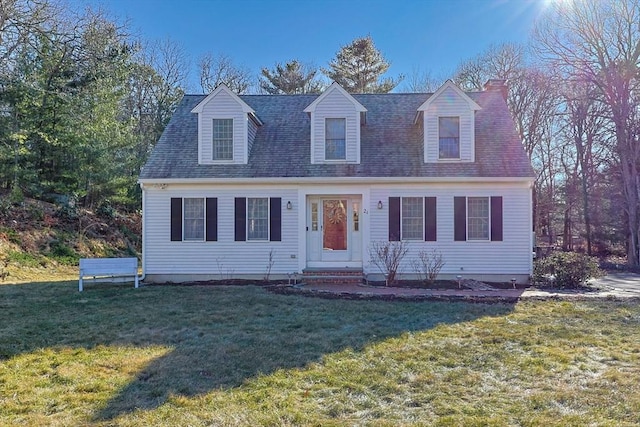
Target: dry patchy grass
197, 355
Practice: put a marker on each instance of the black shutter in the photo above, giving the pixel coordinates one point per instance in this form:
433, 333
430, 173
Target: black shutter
430, 226
275, 219
496, 218
212, 219
176, 219
460, 219
241, 219
394, 219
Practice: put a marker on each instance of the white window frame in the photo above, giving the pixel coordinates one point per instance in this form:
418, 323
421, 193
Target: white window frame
402, 218
342, 159
268, 219
213, 139
487, 218
440, 157
185, 238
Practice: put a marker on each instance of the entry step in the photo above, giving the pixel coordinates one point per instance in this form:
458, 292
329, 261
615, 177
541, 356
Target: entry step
349, 276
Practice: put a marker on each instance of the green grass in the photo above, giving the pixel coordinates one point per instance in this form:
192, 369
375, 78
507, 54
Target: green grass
194, 355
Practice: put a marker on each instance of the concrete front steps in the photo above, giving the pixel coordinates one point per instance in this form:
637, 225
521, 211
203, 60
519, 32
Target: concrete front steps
336, 276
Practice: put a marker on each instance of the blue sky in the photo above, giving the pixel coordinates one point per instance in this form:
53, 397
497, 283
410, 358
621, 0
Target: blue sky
428, 35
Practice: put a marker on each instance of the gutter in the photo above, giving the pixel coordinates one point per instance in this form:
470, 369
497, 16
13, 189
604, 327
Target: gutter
333, 180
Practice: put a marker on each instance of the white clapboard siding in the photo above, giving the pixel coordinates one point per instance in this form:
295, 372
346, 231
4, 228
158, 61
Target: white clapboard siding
225, 256
336, 105
510, 256
449, 104
222, 106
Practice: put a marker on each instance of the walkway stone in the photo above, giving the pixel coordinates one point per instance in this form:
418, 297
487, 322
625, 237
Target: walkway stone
613, 286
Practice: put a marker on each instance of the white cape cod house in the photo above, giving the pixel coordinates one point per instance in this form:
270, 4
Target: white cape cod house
240, 184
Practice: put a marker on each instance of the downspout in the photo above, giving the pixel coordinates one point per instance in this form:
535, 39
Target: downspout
144, 199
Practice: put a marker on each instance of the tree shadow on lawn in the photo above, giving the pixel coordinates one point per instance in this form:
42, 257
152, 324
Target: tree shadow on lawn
221, 336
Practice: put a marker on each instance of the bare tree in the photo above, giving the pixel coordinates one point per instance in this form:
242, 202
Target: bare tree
586, 130
533, 101
498, 62
20, 20
217, 69
422, 81
155, 86
599, 42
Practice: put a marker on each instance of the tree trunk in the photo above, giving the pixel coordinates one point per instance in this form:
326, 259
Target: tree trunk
630, 185
567, 241
587, 215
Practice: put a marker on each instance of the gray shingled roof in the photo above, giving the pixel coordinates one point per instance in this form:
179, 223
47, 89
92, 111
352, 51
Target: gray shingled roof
391, 144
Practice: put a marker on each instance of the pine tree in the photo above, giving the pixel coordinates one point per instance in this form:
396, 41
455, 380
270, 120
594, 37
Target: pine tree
358, 67
290, 78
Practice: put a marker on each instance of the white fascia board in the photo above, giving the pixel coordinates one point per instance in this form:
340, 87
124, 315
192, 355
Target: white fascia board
222, 87
449, 84
334, 180
335, 86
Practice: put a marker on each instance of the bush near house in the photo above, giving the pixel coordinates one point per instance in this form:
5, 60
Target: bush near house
565, 270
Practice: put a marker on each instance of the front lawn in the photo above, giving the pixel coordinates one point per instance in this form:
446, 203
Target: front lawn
207, 355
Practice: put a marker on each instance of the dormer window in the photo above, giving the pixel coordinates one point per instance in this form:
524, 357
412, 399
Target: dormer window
449, 125
227, 127
222, 139
449, 137
335, 123
335, 139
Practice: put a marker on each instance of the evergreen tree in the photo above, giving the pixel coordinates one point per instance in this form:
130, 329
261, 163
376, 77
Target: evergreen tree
358, 67
290, 78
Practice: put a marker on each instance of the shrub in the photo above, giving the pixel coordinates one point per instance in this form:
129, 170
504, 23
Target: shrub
428, 265
11, 235
16, 196
62, 253
565, 269
24, 259
36, 212
106, 210
387, 256
5, 206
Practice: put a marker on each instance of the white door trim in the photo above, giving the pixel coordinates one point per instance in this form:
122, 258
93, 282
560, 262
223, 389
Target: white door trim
330, 259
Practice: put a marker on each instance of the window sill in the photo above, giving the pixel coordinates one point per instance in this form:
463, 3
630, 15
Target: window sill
219, 162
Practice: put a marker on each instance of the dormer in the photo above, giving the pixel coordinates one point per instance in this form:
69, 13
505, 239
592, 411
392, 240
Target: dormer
335, 126
226, 128
449, 125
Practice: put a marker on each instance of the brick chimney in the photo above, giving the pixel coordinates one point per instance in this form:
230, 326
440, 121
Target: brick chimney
497, 85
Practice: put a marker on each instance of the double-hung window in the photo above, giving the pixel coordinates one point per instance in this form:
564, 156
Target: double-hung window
193, 219
449, 137
412, 218
335, 139
478, 218
258, 218
222, 139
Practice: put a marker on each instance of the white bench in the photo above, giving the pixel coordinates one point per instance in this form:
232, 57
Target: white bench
108, 267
